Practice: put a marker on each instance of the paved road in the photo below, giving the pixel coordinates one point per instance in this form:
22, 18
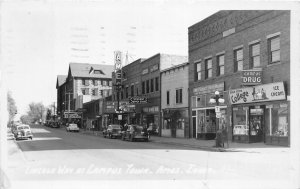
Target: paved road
60, 156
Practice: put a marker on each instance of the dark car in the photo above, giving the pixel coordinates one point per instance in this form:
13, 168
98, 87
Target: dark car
135, 132
22, 132
152, 129
112, 131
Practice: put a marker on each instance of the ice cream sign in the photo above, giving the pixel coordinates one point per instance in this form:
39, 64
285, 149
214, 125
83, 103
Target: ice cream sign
267, 92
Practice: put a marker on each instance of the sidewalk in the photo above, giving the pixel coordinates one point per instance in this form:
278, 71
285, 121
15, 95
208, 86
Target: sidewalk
208, 145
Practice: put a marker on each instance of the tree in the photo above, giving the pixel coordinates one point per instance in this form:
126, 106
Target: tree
11, 107
48, 115
36, 111
25, 119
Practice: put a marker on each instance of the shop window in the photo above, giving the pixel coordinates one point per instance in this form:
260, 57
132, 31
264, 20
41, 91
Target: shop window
220, 61
238, 60
277, 120
240, 121
274, 49
180, 124
255, 55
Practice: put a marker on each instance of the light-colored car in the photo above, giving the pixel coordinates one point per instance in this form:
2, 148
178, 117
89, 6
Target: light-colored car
22, 132
72, 127
135, 132
112, 131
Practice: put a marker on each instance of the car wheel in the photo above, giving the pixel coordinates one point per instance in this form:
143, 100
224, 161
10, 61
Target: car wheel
131, 138
30, 138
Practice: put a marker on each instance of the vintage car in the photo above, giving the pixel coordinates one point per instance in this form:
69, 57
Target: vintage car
22, 132
72, 127
135, 132
112, 131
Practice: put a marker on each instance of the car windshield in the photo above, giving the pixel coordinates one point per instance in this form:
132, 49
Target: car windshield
73, 125
26, 127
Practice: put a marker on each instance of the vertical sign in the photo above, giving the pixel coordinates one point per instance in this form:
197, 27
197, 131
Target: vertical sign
118, 66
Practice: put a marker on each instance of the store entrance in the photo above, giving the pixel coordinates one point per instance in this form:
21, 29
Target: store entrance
256, 125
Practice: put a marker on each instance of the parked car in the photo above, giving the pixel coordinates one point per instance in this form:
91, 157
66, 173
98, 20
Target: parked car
55, 124
135, 132
22, 132
72, 127
112, 131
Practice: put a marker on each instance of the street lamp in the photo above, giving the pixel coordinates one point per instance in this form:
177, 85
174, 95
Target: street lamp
217, 99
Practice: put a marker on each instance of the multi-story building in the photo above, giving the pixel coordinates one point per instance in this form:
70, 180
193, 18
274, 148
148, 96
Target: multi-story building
174, 101
60, 81
151, 86
85, 82
245, 55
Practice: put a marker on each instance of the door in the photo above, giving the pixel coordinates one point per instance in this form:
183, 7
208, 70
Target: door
194, 127
256, 128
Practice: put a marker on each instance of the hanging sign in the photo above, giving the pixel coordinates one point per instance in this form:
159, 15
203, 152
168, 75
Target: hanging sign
267, 92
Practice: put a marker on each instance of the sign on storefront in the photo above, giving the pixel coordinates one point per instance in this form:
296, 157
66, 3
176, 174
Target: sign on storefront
138, 100
71, 115
252, 77
209, 88
267, 92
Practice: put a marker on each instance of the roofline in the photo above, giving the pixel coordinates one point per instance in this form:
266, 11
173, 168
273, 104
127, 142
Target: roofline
158, 54
175, 66
140, 59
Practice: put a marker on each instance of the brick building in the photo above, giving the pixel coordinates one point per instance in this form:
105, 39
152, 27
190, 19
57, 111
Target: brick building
174, 101
61, 90
245, 55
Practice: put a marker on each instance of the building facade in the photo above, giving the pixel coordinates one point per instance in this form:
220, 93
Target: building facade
174, 101
245, 55
84, 83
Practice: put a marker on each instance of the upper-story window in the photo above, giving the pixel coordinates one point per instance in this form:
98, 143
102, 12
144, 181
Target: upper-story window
254, 55
94, 92
178, 96
220, 62
143, 87
208, 68
137, 91
238, 60
95, 82
168, 97
126, 92
198, 71
85, 91
104, 83
85, 82
132, 90
151, 85
156, 84
274, 49
147, 86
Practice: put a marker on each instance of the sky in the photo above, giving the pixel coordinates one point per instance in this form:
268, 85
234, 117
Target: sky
42, 37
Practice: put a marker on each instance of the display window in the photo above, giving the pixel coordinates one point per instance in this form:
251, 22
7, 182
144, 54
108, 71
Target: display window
240, 121
277, 120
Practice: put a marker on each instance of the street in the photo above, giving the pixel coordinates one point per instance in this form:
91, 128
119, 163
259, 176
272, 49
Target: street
71, 160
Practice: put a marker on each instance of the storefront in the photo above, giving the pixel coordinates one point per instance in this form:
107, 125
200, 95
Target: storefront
175, 123
260, 114
205, 123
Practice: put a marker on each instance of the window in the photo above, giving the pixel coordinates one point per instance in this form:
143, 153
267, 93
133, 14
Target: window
132, 90
278, 125
255, 55
238, 60
208, 68
137, 91
198, 71
95, 82
240, 121
168, 97
126, 92
220, 61
274, 50
110, 83
104, 83
156, 84
85, 91
151, 85
147, 86
101, 92
94, 92
178, 96
143, 87
85, 82
105, 92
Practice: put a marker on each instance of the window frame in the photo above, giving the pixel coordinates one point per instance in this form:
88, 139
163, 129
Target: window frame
219, 66
168, 97
251, 59
270, 49
178, 98
237, 61
208, 70
143, 87
198, 72
157, 84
